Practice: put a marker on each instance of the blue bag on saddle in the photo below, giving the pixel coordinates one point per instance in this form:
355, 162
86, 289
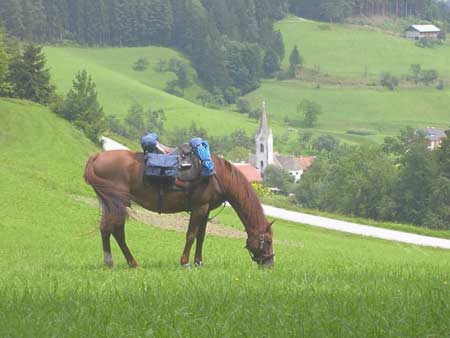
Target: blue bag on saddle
161, 165
201, 149
149, 142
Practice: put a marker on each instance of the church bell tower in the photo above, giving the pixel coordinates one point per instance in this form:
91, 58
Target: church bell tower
264, 142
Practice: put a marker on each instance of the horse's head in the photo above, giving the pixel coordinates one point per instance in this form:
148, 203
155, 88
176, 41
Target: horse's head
260, 247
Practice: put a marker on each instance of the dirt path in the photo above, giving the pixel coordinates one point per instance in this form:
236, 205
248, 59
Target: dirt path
175, 222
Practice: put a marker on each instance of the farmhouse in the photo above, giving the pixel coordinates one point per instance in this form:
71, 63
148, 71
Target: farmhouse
417, 32
265, 155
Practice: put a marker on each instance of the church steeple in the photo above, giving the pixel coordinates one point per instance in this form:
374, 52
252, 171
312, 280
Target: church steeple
264, 142
263, 124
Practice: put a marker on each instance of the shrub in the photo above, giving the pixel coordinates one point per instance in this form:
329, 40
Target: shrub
140, 65
388, 80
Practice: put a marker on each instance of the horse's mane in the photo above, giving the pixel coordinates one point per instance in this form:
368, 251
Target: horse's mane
241, 194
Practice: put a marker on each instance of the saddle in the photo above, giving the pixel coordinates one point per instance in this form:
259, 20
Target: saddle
180, 163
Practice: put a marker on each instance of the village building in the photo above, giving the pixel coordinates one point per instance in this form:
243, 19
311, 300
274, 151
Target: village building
265, 156
417, 32
252, 174
434, 137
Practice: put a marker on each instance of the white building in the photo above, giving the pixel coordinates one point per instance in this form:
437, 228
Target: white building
265, 155
264, 143
417, 32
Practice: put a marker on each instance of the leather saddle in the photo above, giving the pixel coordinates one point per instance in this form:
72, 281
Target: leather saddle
180, 163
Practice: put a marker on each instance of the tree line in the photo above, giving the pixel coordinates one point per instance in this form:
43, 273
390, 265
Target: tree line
338, 10
400, 181
227, 40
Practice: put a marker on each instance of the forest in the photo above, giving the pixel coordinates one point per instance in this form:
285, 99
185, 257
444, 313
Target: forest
231, 43
338, 10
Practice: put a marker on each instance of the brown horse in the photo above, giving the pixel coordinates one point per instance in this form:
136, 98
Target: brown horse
117, 178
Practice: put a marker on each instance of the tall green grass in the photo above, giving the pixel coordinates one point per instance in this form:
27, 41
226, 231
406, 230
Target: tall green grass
52, 282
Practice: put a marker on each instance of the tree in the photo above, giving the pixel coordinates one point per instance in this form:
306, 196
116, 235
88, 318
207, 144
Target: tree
275, 177
311, 111
5, 86
243, 105
183, 77
325, 143
29, 76
415, 184
388, 80
271, 63
237, 154
82, 108
429, 76
295, 62
416, 69
141, 64
154, 120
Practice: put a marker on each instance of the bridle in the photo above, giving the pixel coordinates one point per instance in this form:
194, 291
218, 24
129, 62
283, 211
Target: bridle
264, 257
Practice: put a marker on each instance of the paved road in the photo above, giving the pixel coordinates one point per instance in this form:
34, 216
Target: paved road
354, 228
332, 224
109, 144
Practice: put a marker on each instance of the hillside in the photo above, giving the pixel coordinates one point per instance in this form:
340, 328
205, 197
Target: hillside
119, 86
352, 102
378, 111
352, 51
324, 283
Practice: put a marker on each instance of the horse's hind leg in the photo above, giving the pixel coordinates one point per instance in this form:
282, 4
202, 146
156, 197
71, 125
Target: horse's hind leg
107, 248
119, 235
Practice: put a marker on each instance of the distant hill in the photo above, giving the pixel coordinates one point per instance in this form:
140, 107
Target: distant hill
343, 66
119, 86
352, 51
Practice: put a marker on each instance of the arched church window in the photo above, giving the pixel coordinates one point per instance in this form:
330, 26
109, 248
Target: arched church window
261, 148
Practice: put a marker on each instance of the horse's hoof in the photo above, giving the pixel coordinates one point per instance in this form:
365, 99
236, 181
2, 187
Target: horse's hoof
198, 264
186, 266
109, 264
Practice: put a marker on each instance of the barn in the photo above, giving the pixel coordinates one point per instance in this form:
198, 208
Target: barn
417, 32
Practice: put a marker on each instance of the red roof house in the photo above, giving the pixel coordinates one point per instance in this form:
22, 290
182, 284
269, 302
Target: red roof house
250, 172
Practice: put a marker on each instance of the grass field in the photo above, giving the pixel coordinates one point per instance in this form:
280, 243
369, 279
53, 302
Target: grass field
119, 86
52, 282
353, 51
381, 111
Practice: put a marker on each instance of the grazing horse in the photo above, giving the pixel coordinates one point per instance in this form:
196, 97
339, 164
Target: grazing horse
117, 178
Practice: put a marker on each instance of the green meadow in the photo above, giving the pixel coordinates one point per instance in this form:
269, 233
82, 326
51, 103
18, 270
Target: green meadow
378, 111
352, 51
53, 283
119, 86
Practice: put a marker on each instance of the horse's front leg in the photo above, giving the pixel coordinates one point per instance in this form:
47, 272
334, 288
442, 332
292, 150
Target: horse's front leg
199, 243
198, 219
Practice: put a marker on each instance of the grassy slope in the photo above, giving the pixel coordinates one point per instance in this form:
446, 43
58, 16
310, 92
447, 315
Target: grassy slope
381, 111
343, 51
52, 282
346, 50
119, 85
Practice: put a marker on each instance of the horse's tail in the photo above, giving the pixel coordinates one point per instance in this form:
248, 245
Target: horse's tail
113, 200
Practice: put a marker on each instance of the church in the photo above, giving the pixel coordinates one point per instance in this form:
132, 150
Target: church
265, 156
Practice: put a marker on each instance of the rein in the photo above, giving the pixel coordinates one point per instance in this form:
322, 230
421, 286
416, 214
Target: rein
260, 260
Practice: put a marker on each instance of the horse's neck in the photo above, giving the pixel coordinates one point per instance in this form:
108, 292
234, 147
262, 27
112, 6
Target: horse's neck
244, 200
